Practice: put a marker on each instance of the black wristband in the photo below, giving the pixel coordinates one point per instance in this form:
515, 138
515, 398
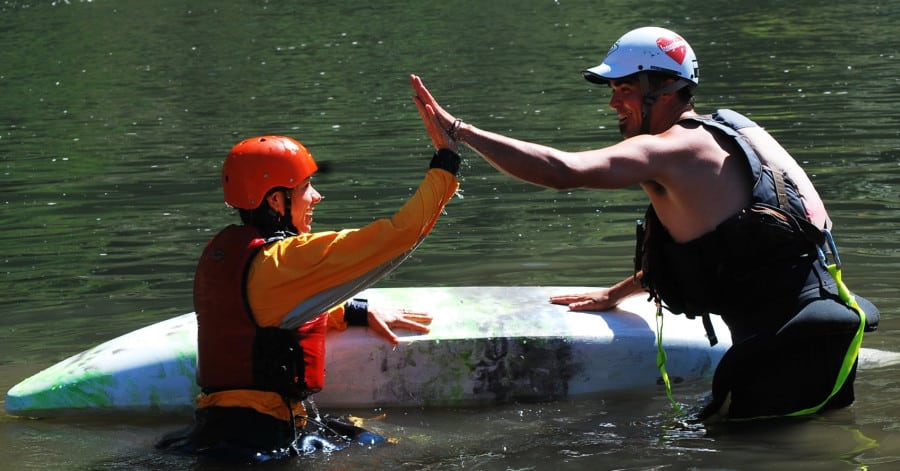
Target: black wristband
446, 159
356, 312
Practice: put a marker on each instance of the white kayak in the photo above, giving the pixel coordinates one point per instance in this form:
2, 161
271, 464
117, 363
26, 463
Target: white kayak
487, 345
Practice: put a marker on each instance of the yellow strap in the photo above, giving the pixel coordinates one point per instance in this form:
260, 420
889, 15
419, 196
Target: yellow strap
661, 356
852, 351
849, 358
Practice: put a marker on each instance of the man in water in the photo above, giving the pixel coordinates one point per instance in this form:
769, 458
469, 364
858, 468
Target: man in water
734, 228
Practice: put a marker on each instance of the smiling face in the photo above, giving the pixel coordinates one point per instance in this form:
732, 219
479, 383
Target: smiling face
627, 100
667, 101
303, 199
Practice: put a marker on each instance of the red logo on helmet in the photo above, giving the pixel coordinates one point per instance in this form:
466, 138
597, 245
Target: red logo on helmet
674, 47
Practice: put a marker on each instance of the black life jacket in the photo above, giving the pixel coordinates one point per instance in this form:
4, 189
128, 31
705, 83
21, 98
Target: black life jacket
755, 262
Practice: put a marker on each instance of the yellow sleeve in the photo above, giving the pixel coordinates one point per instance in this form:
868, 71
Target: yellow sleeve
336, 318
292, 280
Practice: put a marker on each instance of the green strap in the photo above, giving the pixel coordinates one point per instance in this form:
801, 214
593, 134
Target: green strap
846, 367
661, 356
849, 358
852, 351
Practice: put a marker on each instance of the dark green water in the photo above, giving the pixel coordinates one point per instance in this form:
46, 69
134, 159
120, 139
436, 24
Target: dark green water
116, 116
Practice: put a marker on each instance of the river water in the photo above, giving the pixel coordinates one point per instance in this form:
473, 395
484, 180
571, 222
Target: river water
116, 116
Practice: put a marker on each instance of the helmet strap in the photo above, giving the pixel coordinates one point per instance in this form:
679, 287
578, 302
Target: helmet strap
650, 97
287, 220
647, 103
269, 222
673, 87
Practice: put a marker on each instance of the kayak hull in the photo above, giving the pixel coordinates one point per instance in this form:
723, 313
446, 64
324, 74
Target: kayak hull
487, 345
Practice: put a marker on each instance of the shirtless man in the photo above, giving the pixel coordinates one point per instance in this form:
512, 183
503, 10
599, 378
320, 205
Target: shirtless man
733, 228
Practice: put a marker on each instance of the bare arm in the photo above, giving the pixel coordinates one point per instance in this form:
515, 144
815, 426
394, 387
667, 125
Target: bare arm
604, 298
624, 164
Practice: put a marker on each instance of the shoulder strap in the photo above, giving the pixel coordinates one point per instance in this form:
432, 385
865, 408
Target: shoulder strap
780, 191
729, 122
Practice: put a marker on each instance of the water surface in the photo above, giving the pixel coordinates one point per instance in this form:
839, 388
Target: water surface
117, 115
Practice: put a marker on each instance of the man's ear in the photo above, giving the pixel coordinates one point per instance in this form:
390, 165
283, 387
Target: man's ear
276, 202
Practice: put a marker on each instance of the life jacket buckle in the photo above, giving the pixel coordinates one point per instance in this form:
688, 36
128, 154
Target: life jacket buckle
832, 247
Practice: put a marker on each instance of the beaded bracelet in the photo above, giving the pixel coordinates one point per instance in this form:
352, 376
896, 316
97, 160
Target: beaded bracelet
454, 128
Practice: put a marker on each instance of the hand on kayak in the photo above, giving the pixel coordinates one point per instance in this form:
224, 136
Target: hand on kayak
602, 299
599, 300
382, 322
437, 120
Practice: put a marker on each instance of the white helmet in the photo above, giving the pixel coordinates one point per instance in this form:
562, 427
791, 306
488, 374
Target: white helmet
644, 50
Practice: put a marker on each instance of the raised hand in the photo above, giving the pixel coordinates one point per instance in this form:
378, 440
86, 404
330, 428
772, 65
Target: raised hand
437, 120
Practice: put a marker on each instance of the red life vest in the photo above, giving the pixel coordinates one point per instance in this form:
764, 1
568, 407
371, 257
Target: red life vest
226, 328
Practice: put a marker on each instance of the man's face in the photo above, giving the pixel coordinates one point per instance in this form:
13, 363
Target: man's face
627, 99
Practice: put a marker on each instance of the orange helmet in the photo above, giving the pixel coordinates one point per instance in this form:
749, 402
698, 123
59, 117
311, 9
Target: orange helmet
256, 165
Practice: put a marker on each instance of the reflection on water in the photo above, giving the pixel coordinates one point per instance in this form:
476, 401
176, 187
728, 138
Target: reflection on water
117, 115
585, 434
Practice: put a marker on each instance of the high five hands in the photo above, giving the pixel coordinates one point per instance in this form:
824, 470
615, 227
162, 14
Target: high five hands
437, 120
